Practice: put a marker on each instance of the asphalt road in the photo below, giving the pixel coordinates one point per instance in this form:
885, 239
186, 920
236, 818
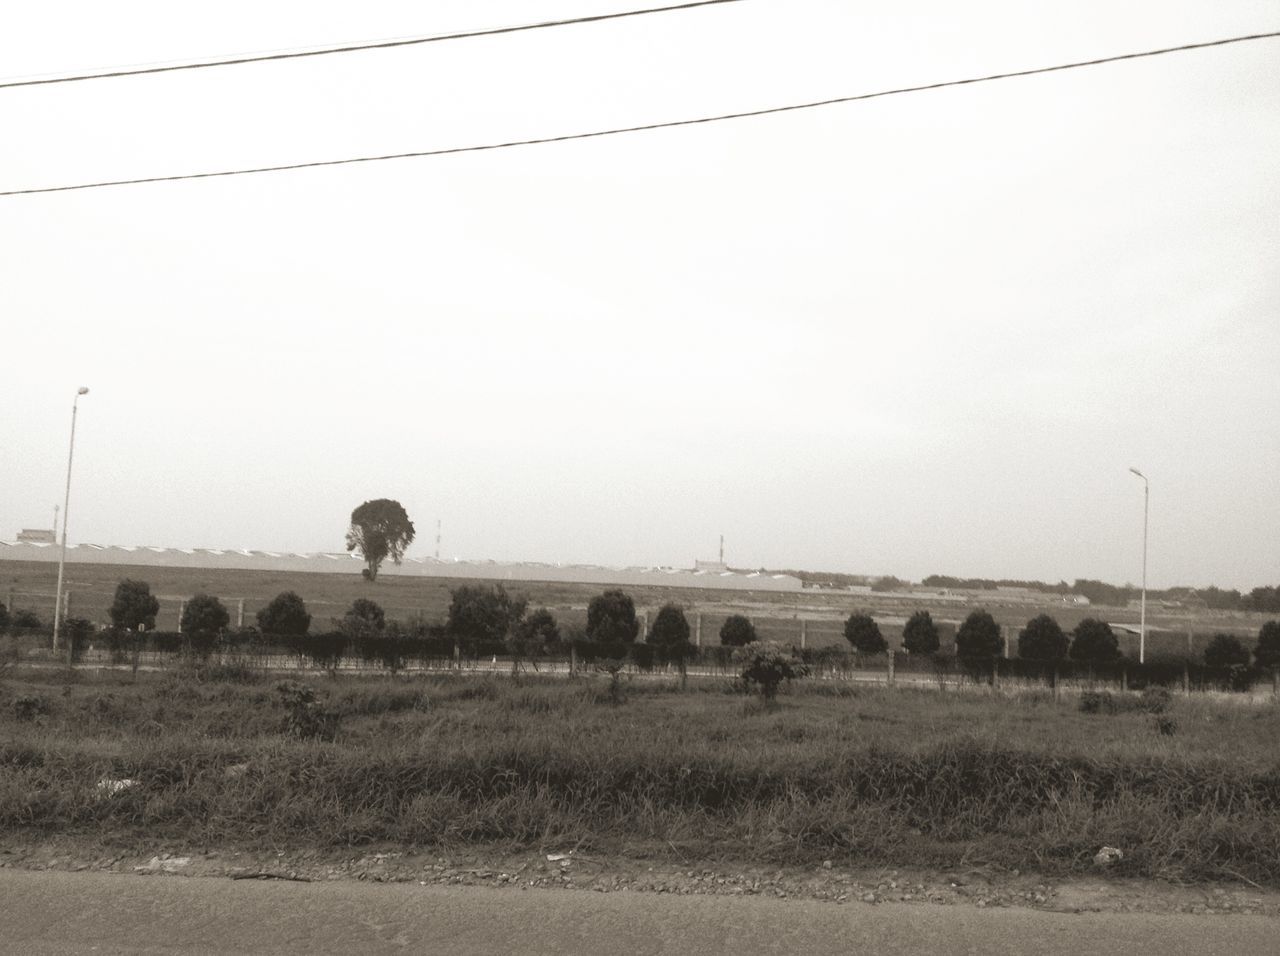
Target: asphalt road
65, 913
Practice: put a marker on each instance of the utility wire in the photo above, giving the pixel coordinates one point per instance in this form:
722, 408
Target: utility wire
650, 126
356, 47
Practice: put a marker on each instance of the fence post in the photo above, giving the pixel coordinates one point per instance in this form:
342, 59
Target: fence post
644, 625
804, 633
697, 629
1275, 682
892, 655
457, 655
1190, 645
182, 607
573, 660
1054, 680
1004, 641
1124, 677
239, 612
1186, 678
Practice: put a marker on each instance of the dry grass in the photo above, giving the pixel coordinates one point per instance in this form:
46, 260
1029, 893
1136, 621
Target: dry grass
860, 775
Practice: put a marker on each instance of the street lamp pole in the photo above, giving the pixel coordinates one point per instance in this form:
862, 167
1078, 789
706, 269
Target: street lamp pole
66, 513
1146, 506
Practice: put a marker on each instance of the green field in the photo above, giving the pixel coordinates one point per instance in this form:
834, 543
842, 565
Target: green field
859, 775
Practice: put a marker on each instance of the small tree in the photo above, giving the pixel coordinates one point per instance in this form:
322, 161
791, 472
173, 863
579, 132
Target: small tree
1225, 650
134, 606
1042, 640
204, 616
611, 617
363, 619
863, 633
920, 635
483, 612
540, 627
285, 616
380, 529
737, 631
1267, 653
670, 628
766, 664
1094, 642
978, 637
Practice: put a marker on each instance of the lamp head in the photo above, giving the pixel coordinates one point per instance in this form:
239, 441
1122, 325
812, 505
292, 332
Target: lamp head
1138, 473
82, 390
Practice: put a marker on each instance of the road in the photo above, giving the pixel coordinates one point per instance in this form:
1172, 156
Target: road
64, 913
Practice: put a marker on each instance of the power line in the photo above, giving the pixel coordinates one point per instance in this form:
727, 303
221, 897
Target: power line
356, 47
669, 124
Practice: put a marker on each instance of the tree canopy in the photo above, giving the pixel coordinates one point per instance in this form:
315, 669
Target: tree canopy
286, 615
134, 606
863, 633
1042, 640
1267, 653
204, 615
978, 636
380, 529
611, 616
364, 618
539, 627
1093, 641
483, 612
670, 627
1226, 650
737, 631
920, 634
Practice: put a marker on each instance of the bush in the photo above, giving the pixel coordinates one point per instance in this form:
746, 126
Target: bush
134, 606
611, 617
4, 617
25, 620
540, 627
363, 619
1267, 653
670, 628
766, 664
1042, 640
1094, 642
863, 633
28, 708
737, 631
204, 616
978, 637
307, 717
483, 612
920, 635
1225, 650
286, 615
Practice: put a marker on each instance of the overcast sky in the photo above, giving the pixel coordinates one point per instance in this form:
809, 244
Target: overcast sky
920, 334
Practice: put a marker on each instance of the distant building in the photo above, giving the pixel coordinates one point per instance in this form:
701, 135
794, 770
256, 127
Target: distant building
710, 566
36, 536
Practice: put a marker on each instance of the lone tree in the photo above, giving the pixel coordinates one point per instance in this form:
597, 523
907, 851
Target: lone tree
1094, 642
670, 628
611, 617
1267, 653
920, 635
134, 606
767, 664
380, 529
1225, 650
483, 612
978, 637
737, 631
204, 616
363, 619
864, 634
286, 616
1042, 640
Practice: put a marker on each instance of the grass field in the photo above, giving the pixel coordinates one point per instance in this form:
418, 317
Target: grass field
859, 775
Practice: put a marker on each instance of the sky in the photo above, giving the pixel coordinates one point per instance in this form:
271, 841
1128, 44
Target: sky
919, 334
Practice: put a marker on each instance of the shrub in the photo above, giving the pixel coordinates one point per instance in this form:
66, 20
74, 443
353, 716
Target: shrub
540, 627
1267, 653
611, 617
920, 635
737, 631
363, 619
1094, 642
1225, 650
1165, 725
134, 606
766, 664
28, 708
1042, 640
1156, 700
79, 632
307, 717
286, 615
978, 637
863, 633
670, 628
483, 612
204, 616
25, 620
4, 617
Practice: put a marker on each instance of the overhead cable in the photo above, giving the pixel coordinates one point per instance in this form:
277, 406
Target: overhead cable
669, 124
355, 47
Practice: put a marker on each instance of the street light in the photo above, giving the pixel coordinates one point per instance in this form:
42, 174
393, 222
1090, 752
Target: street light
66, 514
1142, 626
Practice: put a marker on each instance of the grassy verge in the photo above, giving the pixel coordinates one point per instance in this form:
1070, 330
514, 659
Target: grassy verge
859, 775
